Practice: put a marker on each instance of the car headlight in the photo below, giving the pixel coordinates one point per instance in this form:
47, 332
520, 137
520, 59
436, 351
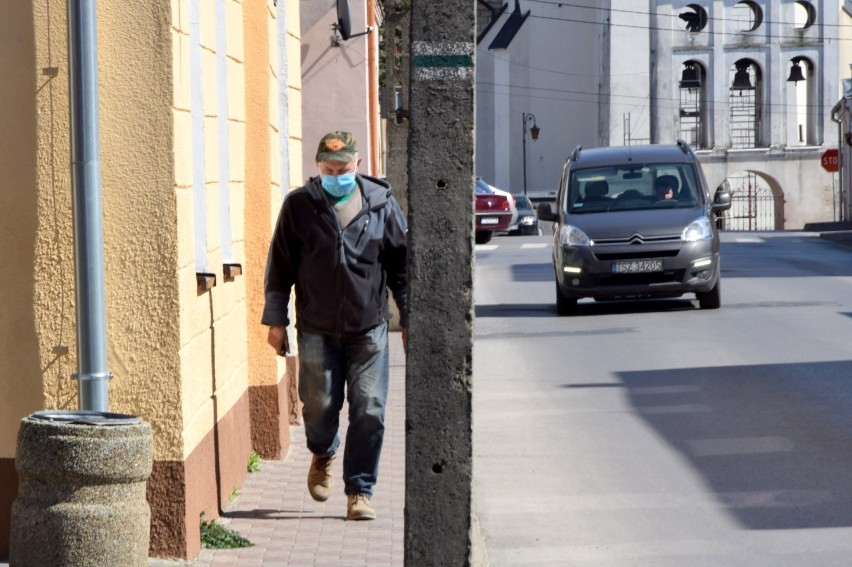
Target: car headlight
699, 229
572, 236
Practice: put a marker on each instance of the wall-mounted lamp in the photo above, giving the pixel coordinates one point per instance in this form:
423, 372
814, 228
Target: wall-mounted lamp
534, 131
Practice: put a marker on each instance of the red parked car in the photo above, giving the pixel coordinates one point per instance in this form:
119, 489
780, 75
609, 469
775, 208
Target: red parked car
495, 210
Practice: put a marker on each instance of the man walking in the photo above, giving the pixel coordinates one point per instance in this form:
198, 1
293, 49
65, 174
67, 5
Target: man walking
341, 241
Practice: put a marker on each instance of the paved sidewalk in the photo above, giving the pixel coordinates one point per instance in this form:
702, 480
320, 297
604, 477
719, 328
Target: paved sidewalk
276, 513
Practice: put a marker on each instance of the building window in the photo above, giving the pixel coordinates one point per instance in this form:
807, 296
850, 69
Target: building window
745, 96
693, 107
694, 18
801, 104
747, 16
804, 15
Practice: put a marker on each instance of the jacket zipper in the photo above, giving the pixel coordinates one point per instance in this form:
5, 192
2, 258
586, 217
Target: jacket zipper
340, 271
341, 258
363, 231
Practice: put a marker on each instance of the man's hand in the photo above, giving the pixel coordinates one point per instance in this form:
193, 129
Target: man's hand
277, 338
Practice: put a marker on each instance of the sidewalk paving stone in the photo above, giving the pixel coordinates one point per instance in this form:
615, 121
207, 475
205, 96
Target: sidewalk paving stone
276, 513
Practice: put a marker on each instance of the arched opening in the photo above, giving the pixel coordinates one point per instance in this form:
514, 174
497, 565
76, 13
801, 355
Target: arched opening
747, 16
802, 122
693, 105
744, 101
804, 15
694, 18
755, 204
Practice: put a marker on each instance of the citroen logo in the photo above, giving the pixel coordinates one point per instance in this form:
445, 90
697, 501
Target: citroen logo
636, 239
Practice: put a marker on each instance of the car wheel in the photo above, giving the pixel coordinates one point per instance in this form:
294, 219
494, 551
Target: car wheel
565, 305
483, 236
709, 299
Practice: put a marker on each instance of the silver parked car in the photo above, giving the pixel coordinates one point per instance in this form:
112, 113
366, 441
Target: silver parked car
635, 222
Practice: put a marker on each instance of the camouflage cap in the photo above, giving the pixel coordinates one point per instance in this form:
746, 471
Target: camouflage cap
337, 146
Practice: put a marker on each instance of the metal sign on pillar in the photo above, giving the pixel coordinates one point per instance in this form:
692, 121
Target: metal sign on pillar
439, 372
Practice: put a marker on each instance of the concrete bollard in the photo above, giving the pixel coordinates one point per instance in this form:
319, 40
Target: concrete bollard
81, 495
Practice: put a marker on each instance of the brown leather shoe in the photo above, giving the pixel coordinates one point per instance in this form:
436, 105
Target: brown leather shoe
319, 477
359, 508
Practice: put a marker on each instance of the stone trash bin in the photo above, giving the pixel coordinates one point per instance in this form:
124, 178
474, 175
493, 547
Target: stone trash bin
81, 494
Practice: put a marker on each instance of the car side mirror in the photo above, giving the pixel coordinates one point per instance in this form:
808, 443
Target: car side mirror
721, 201
545, 212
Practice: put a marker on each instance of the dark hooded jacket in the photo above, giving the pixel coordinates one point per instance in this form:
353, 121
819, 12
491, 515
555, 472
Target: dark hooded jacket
341, 274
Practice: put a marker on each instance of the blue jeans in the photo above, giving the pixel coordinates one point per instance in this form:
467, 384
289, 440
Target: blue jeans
357, 367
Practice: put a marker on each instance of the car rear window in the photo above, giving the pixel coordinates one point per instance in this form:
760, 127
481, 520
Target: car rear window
632, 187
523, 203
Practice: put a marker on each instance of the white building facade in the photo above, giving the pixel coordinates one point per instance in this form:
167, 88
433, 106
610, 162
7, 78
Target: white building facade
548, 76
749, 84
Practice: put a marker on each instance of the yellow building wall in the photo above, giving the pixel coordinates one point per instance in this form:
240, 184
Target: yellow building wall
140, 216
34, 255
184, 359
140, 242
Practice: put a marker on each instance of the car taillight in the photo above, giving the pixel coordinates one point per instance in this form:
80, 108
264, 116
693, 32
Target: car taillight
506, 206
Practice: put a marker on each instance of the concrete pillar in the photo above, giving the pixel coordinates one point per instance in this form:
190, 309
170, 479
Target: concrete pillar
440, 205
81, 493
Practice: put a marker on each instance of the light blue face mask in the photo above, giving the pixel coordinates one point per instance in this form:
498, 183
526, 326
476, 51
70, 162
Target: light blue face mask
339, 186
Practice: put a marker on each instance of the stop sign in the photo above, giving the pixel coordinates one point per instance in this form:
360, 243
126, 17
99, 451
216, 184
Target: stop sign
830, 160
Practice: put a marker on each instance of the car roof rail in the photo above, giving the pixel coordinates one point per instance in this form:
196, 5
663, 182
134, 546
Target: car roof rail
684, 147
575, 155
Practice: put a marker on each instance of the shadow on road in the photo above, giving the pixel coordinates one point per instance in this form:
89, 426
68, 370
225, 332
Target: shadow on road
774, 442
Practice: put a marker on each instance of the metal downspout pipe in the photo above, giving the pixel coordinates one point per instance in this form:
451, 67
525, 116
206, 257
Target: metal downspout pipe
840, 152
93, 376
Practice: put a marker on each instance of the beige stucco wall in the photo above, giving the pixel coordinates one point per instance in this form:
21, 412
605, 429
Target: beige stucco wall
260, 103
32, 256
138, 214
172, 349
140, 217
180, 356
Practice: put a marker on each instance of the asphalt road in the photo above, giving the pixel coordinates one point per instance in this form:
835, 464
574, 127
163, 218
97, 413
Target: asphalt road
657, 434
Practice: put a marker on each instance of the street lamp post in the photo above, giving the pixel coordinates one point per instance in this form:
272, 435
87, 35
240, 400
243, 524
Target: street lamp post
527, 117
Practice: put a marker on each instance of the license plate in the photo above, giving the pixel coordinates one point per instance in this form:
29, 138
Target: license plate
637, 266
490, 220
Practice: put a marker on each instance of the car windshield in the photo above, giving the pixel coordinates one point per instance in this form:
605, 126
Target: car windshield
633, 187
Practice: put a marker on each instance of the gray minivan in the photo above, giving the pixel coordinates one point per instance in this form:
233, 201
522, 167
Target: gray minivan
634, 222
